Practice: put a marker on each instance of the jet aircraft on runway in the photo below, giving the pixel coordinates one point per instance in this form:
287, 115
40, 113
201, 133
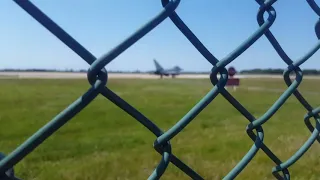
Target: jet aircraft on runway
166, 72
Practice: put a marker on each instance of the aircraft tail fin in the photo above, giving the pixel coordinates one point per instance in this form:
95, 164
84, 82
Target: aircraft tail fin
158, 66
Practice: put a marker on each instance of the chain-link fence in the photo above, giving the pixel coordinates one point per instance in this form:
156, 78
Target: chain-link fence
98, 78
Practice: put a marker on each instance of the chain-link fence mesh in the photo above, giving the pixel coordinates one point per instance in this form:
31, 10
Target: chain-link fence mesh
98, 78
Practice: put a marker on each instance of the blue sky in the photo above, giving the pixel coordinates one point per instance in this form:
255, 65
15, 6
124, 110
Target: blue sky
99, 25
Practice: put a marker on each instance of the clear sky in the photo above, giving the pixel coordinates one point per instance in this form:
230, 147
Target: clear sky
99, 25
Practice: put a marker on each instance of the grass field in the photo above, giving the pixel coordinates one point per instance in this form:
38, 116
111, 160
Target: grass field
102, 142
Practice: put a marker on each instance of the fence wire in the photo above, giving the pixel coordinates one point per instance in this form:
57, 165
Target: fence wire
98, 78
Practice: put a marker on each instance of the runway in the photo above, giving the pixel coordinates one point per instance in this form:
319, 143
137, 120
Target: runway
78, 75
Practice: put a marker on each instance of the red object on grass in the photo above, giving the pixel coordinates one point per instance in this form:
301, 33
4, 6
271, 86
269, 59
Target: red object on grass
232, 81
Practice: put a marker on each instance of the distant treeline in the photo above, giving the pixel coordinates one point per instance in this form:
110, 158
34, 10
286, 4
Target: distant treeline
250, 71
40, 70
279, 71
84, 71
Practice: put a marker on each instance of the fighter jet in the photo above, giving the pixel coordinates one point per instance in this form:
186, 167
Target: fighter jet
166, 72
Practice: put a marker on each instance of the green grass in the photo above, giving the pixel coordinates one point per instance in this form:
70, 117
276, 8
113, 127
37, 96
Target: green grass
102, 142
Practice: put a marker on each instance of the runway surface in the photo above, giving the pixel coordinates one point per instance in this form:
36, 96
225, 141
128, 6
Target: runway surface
71, 75
76, 75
